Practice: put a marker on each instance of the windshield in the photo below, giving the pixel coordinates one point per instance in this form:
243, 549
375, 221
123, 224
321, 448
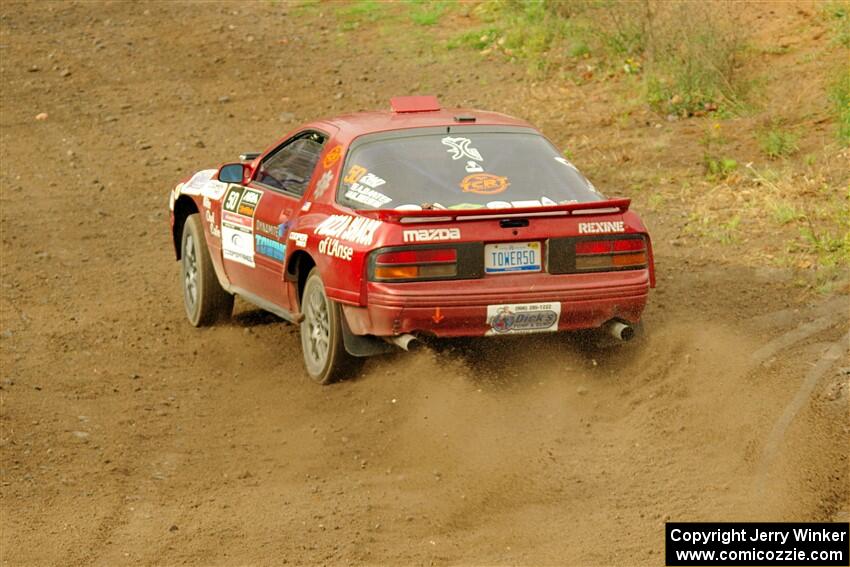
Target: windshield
461, 170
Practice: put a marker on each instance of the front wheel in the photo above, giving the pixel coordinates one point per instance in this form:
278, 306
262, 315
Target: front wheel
204, 299
325, 357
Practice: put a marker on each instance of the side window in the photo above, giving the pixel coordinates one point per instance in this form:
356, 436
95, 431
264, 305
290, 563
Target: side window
289, 168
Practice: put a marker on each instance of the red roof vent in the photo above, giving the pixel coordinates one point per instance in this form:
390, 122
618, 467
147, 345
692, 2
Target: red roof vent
414, 103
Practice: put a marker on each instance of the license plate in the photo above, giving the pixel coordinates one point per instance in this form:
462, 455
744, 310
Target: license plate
512, 257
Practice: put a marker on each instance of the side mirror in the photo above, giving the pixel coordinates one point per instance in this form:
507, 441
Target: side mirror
232, 173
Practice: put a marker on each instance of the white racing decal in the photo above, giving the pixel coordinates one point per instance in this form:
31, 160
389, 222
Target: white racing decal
299, 238
237, 224
336, 249
427, 235
363, 190
574, 168
522, 318
202, 183
600, 227
459, 148
306, 207
237, 239
357, 230
323, 183
542, 202
210, 218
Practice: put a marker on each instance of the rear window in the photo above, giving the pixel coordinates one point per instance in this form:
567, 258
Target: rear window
460, 170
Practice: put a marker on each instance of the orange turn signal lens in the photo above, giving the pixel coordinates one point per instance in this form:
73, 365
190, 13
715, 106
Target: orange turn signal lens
396, 272
634, 259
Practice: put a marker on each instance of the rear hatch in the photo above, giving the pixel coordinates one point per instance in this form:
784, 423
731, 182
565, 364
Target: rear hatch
476, 201
580, 238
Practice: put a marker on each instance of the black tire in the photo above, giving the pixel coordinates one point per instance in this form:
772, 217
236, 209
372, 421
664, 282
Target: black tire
322, 345
205, 300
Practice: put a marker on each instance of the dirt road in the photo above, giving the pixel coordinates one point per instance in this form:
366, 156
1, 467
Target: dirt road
129, 437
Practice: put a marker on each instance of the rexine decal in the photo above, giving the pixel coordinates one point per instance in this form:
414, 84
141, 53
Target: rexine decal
358, 230
601, 227
522, 318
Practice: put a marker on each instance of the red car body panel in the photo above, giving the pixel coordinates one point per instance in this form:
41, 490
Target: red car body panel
287, 225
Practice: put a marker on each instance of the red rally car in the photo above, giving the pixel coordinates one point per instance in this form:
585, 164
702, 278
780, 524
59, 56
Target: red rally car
371, 229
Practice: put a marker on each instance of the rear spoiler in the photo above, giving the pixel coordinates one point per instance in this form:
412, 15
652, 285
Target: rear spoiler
608, 207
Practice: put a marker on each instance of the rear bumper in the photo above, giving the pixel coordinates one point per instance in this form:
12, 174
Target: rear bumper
460, 308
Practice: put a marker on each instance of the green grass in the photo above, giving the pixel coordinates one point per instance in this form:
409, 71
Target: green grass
718, 169
427, 13
784, 213
837, 14
840, 97
778, 143
360, 11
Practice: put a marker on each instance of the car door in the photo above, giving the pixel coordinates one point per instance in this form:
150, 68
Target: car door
275, 193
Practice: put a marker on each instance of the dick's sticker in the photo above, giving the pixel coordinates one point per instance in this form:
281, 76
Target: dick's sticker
521, 318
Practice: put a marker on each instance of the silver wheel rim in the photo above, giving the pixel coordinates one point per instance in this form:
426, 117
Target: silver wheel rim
316, 332
190, 274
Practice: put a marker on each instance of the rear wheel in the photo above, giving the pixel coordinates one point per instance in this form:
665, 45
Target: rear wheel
325, 357
205, 300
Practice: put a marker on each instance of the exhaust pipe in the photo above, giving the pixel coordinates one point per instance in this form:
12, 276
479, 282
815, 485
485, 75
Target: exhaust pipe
406, 341
621, 331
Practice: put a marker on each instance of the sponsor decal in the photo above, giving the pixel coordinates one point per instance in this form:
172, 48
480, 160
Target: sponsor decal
459, 148
207, 203
248, 203
601, 227
269, 247
237, 244
306, 206
357, 230
323, 183
522, 318
299, 238
210, 218
484, 184
473, 167
202, 183
542, 202
332, 156
266, 228
366, 196
237, 227
430, 234
355, 172
335, 249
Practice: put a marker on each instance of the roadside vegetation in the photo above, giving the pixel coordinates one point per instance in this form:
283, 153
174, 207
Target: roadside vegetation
772, 185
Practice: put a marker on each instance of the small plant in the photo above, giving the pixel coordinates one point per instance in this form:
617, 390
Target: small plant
427, 13
361, 10
840, 96
784, 213
837, 13
716, 166
778, 143
719, 168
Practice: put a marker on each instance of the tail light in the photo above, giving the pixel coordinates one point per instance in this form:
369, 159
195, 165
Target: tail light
610, 254
415, 264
